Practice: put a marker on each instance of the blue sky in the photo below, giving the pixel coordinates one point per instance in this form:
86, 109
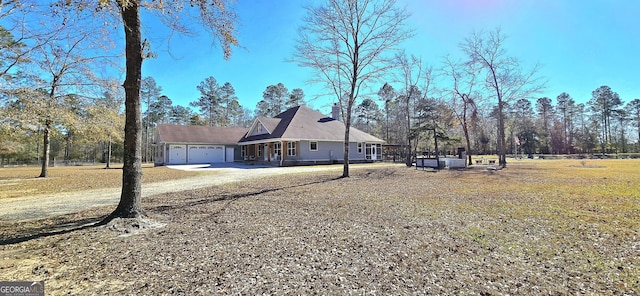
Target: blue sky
581, 45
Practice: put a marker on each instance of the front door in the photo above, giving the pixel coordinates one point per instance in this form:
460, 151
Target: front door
373, 152
230, 154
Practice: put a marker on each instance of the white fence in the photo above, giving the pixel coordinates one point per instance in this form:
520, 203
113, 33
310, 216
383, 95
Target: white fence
452, 163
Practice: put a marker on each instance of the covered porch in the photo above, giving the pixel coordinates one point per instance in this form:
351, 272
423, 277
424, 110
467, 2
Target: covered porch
271, 153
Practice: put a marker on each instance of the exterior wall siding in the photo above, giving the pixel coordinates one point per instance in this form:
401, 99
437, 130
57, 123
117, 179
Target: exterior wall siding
329, 151
353, 152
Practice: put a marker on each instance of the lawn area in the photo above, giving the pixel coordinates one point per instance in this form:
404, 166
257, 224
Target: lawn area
537, 227
22, 181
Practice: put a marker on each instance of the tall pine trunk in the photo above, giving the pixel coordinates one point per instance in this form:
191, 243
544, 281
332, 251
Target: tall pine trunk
129, 206
502, 143
108, 158
46, 137
347, 128
408, 160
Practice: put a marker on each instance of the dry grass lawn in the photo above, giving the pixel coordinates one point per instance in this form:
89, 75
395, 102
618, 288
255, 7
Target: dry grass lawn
21, 181
537, 227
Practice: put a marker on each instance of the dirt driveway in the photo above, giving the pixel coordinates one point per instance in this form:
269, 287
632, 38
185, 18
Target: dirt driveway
50, 205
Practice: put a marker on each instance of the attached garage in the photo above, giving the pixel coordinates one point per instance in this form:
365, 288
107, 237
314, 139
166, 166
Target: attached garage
177, 154
206, 154
178, 144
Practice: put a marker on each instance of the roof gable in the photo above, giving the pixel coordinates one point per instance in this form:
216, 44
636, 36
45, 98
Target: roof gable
303, 123
263, 125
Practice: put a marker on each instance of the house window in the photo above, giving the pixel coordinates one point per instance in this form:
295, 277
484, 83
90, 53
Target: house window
277, 148
243, 151
291, 149
260, 148
359, 148
313, 146
259, 128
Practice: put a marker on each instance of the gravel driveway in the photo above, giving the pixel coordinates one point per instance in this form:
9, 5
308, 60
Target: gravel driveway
50, 205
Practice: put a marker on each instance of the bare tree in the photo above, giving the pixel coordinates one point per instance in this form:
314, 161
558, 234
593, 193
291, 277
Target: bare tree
504, 78
17, 40
63, 67
412, 73
12, 52
463, 94
347, 43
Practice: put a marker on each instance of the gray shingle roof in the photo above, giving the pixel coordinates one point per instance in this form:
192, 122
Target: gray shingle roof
304, 123
169, 133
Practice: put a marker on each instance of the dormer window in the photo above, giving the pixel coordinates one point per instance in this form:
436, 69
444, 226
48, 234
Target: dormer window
259, 129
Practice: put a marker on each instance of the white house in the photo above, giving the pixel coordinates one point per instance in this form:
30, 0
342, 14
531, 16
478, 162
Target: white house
301, 136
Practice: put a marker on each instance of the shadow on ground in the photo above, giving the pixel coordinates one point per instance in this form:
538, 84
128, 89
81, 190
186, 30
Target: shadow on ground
20, 232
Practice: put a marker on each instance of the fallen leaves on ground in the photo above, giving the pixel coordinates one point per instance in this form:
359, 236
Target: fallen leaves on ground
522, 231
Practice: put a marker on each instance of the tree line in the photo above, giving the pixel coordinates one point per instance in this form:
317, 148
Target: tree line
56, 106
603, 124
559, 125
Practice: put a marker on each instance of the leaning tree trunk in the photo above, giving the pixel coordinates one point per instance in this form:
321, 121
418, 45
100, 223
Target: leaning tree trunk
465, 129
129, 206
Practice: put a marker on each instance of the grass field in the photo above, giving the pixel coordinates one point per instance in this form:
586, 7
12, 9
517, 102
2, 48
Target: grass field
22, 181
537, 227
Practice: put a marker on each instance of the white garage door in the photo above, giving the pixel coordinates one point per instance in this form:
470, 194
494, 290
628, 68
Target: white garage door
177, 154
206, 154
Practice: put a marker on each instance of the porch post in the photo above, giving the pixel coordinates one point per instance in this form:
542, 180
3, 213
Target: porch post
269, 152
255, 152
283, 151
